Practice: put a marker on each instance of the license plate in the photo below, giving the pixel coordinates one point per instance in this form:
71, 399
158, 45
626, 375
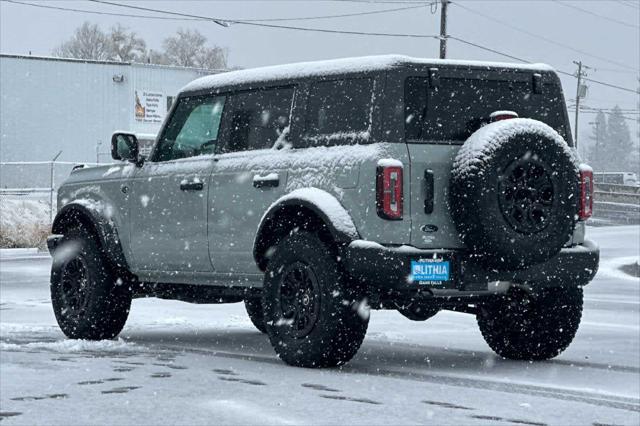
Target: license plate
433, 272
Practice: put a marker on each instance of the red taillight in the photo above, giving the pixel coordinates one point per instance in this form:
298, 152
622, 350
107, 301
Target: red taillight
586, 193
389, 192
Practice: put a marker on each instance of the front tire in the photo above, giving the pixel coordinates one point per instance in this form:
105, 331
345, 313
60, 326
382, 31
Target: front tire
522, 326
256, 313
314, 318
90, 300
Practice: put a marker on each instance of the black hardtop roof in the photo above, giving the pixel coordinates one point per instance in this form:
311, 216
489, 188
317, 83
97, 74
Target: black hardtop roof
365, 64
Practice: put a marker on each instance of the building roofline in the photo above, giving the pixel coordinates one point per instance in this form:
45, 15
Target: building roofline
56, 59
93, 61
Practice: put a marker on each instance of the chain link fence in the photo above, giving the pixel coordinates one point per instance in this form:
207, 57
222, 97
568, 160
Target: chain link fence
34, 180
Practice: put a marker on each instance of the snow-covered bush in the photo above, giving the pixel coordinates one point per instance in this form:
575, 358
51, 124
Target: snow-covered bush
23, 222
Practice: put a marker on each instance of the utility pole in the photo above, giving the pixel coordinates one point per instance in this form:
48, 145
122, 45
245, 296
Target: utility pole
581, 92
443, 29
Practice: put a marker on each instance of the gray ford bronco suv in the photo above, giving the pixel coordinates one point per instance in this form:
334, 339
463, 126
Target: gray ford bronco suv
312, 192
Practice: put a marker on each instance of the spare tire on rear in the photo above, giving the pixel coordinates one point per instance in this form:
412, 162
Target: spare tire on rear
514, 193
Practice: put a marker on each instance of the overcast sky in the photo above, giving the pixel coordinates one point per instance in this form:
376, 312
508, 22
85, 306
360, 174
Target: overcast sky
607, 32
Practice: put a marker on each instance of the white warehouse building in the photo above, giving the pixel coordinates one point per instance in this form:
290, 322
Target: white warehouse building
49, 105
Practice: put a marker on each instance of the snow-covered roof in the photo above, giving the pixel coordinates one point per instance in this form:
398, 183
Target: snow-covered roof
338, 66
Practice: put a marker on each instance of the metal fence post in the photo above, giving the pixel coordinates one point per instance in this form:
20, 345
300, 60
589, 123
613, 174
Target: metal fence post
52, 188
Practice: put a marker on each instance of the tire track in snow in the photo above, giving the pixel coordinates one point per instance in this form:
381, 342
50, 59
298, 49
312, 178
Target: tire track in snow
610, 401
591, 398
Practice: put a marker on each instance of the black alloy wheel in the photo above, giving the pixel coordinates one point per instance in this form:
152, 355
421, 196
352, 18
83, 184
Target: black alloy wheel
526, 195
299, 297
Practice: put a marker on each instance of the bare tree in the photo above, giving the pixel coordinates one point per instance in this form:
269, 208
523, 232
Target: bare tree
213, 58
87, 42
188, 49
126, 46
183, 48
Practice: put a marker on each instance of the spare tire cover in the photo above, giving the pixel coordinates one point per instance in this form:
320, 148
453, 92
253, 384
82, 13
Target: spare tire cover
514, 193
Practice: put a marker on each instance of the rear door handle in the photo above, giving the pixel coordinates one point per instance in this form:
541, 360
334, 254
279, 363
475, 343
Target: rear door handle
271, 180
429, 191
191, 185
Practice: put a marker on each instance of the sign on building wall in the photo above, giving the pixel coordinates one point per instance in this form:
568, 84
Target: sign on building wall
149, 106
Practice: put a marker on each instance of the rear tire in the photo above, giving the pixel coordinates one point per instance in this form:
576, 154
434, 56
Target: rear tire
256, 313
90, 300
532, 327
314, 318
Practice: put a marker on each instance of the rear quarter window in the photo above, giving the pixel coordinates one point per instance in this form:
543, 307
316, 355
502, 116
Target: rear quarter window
457, 107
339, 112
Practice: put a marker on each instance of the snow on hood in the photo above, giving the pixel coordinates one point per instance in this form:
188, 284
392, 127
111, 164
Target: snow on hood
337, 66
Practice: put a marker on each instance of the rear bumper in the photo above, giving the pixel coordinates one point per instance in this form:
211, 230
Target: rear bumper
388, 268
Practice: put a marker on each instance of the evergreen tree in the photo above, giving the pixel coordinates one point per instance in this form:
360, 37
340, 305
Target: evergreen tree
599, 138
619, 148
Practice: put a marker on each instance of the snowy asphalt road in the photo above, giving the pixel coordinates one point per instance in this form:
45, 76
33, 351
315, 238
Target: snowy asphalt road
178, 363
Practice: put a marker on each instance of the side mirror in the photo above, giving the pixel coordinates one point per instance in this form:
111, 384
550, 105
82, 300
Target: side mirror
124, 146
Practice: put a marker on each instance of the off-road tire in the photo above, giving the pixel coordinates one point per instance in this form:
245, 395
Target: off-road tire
513, 193
301, 260
254, 309
532, 327
90, 299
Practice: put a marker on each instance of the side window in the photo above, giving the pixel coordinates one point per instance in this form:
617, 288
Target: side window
258, 119
339, 110
415, 107
192, 129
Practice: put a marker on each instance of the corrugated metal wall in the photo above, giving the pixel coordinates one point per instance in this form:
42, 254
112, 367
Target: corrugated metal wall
49, 105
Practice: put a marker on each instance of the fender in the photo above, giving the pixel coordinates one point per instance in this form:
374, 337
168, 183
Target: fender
92, 213
318, 202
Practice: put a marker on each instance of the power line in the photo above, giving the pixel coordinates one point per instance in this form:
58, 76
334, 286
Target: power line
604, 83
593, 111
632, 119
359, 33
95, 12
506, 55
548, 40
616, 70
631, 5
225, 22
344, 15
488, 49
626, 24
258, 24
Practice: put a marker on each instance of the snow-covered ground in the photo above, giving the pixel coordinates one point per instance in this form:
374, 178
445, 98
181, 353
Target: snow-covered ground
178, 363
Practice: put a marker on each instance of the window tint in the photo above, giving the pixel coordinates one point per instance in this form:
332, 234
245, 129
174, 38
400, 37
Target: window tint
258, 119
339, 109
192, 129
457, 107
